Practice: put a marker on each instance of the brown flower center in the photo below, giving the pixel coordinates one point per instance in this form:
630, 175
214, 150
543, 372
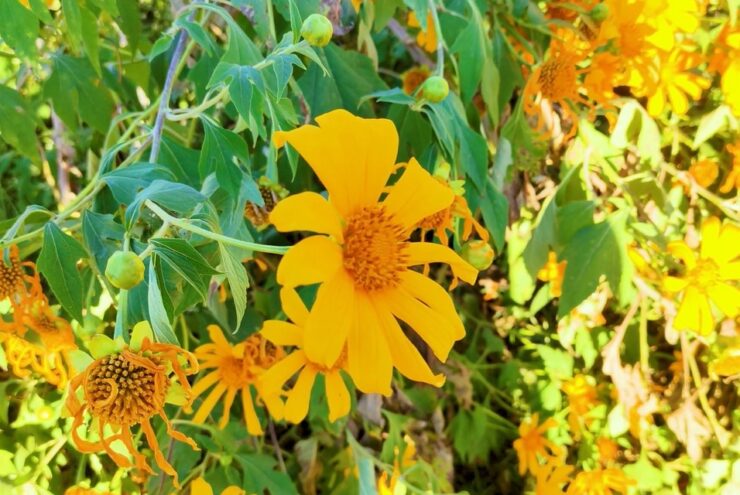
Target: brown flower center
557, 79
233, 373
373, 251
11, 277
125, 389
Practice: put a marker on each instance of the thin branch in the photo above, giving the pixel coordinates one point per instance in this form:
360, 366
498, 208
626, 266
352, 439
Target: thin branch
276, 445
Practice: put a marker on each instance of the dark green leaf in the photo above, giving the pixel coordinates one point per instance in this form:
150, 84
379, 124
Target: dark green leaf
17, 125
158, 317
236, 274
18, 27
125, 183
222, 152
260, 475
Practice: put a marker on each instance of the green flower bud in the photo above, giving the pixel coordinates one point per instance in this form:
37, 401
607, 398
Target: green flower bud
599, 13
317, 30
478, 253
435, 89
124, 270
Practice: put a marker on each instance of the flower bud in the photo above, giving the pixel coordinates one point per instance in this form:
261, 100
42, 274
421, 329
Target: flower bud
124, 270
600, 12
317, 30
478, 253
435, 89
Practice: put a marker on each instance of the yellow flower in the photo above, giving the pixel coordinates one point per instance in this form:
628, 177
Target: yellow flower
675, 83
292, 334
426, 39
604, 74
582, 399
200, 486
413, 78
600, 482
733, 178
25, 357
728, 361
531, 445
626, 28
704, 172
235, 370
127, 388
362, 262
551, 477
553, 272
708, 277
670, 17
608, 450
390, 486
730, 84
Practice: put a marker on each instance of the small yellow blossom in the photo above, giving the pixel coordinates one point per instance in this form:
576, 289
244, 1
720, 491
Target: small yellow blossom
532, 445
553, 273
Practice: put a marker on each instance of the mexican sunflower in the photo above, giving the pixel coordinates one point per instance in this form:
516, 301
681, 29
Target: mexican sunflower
362, 257
273, 380
728, 363
676, 83
26, 357
709, 278
532, 444
200, 486
582, 399
127, 388
601, 482
426, 39
16, 284
553, 272
235, 370
551, 478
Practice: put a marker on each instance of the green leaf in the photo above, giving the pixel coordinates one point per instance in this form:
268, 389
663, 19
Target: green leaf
102, 236
572, 217
39, 8
130, 23
558, 364
222, 152
470, 49
712, 123
73, 17
495, 210
89, 28
160, 46
171, 195
57, 262
236, 274
260, 475
125, 183
158, 317
17, 124
18, 28
186, 261
198, 34
635, 126
596, 250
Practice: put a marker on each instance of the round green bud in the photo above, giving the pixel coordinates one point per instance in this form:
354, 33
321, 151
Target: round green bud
124, 270
317, 30
478, 253
435, 89
599, 13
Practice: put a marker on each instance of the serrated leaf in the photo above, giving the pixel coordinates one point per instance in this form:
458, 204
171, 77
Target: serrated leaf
171, 195
126, 183
17, 124
158, 317
222, 152
260, 475
57, 262
236, 274
18, 28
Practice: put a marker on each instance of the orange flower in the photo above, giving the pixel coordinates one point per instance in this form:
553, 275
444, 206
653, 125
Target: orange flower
15, 284
127, 388
704, 172
413, 78
532, 445
606, 72
608, 450
235, 370
551, 477
25, 357
553, 272
426, 39
582, 399
733, 178
626, 28
675, 83
600, 482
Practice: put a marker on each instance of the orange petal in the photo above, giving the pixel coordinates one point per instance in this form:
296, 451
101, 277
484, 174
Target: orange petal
296, 407
282, 333
368, 357
313, 260
423, 253
307, 211
337, 395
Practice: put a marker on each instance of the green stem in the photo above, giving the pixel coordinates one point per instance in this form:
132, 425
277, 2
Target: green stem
230, 241
708, 411
440, 69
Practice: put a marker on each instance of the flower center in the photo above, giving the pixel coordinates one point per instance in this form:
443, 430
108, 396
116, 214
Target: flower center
373, 250
11, 277
705, 274
125, 389
232, 372
557, 78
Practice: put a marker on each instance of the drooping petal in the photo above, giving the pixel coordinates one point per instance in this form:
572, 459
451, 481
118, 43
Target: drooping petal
337, 395
205, 383
207, 406
433, 295
313, 260
423, 253
273, 380
330, 319
368, 357
307, 211
726, 298
228, 401
296, 407
404, 354
250, 415
282, 333
293, 306
416, 196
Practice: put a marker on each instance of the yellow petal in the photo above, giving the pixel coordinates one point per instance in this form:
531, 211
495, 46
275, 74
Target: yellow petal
250, 415
200, 487
694, 313
307, 211
404, 354
726, 298
656, 103
207, 406
434, 296
231, 490
331, 317
228, 401
368, 357
682, 251
205, 383
416, 195
296, 407
674, 284
729, 244
337, 396
710, 231
273, 380
293, 306
282, 333
730, 271
679, 102
423, 253
313, 260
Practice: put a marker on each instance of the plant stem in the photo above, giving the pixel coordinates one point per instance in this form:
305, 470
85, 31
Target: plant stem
230, 241
440, 70
708, 411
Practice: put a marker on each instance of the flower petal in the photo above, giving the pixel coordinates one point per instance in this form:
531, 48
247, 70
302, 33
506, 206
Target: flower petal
205, 383
307, 211
729, 244
217, 337
273, 380
433, 295
694, 313
200, 486
296, 407
710, 231
331, 317
207, 406
293, 306
228, 401
681, 250
282, 333
337, 395
674, 284
313, 260
416, 195
730, 271
422, 253
250, 415
368, 357
726, 298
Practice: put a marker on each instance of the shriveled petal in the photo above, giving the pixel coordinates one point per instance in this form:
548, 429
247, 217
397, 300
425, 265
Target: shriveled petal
337, 395
307, 211
416, 195
674, 284
404, 354
293, 306
250, 415
423, 253
331, 317
353, 157
435, 331
682, 251
273, 380
694, 313
282, 333
433, 295
368, 357
726, 298
313, 260
296, 407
